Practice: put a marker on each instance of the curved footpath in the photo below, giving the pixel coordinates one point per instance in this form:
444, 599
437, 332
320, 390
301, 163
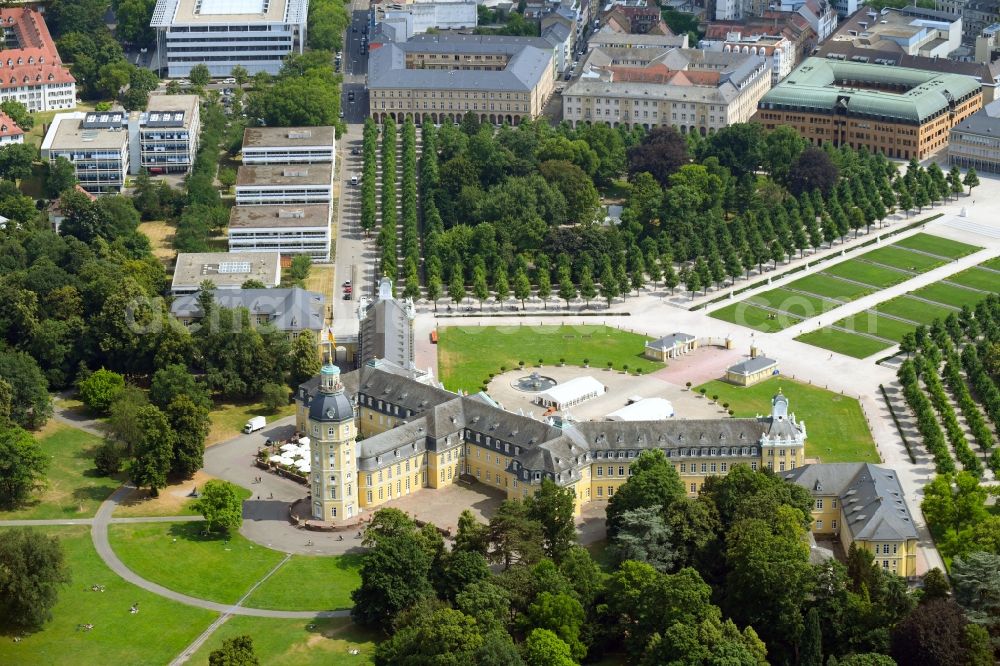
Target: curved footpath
99, 534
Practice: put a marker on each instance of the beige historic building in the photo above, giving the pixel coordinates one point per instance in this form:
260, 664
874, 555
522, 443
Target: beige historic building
693, 90
434, 77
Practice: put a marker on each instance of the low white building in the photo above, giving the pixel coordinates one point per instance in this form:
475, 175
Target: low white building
573, 392
97, 145
226, 270
417, 18
164, 137
646, 409
284, 185
288, 145
284, 229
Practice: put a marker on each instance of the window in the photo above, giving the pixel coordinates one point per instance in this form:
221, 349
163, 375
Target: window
600, 471
611, 491
621, 471
885, 549
368, 479
683, 467
600, 491
833, 502
819, 524
704, 468
693, 487
833, 524
885, 564
819, 504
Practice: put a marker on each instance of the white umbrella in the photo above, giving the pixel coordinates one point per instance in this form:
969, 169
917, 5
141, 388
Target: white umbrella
304, 441
275, 458
288, 447
301, 463
305, 469
285, 460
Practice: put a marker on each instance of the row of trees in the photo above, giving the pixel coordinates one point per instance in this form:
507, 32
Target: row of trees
953, 431
387, 232
328, 19
721, 577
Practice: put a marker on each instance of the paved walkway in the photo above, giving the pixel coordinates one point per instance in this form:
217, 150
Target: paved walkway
90, 521
73, 417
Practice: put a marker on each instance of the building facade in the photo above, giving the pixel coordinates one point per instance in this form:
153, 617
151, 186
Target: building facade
333, 460
901, 112
290, 311
31, 71
164, 137
416, 435
225, 270
300, 229
670, 346
255, 34
289, 145
284, 185
385, 329
693, 90
975, 143
864, 505
97, 145
9, 131
776, 49
434, 77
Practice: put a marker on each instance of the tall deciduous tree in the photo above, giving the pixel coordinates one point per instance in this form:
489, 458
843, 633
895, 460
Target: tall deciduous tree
221, 505
236, 651
33, 569
552, 508
99, 390
190, 424
154, 450
662, 152
22, 466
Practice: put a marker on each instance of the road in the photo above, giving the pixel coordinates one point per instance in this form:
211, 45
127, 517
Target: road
354, 257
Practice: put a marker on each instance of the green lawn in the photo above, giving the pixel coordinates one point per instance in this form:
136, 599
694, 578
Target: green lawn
835, 426
468, 354
821, 285
942, 247
977, 279
285, 590
861, 271
746, 314
870, 322
176, 556
915, 310
75, 490
798, 304
950, 295
842, 342
155, 635
993, 263
296, 642
228, 420
904, 259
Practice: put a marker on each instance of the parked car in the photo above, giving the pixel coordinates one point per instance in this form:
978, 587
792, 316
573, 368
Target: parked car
184, 82
347, 283
228, 81
350, 96
355, 151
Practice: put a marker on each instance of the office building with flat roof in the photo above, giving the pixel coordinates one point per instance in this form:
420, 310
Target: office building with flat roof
975, 142
255, 34
226, 270
288, 145
433, 77
164, 137
901, 112
284, 184
97, 145
285, 229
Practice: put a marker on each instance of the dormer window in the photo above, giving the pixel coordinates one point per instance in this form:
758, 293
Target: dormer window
31, 60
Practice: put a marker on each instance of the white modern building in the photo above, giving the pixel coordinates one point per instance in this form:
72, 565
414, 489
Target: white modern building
256, 34
284, 229
225, 270
776, 49
284, 184
97, 145
417, 18
288, 145
164, 137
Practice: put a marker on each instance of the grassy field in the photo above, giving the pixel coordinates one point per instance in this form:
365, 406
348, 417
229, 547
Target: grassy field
904, 259
943, 247
296, 642
228, 420
799, 304
871, 323
862, 271
993, 263
285, 591
747, 314
75, 490
837, 431
842, 342
177, 556
161, 238
822, 285
977, 279
921, 312
155, 635
468, 354
950, 294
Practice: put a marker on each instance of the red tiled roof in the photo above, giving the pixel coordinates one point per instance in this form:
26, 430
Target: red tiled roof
660, 73
8, 127
37, 62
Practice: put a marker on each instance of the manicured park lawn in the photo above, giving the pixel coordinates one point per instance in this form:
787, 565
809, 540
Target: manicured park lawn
904, 259
177, 556
862, 271
915, 310
977, 279
75, 490
746, 314
155, 635
228, 420
835, 426
950, 294
842, 342
285, 590
797, 303
992, 263
468, 354
943, 247
296, 642
821, 285
871, 323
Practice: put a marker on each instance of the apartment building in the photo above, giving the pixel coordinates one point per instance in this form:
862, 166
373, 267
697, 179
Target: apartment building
289, 145
289, 184
255, 34
693, 90
301, 229
97, 145
31, 71
776, 49
433, 77
902, 112
164, 137
975, 142
913, 31
9, 131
